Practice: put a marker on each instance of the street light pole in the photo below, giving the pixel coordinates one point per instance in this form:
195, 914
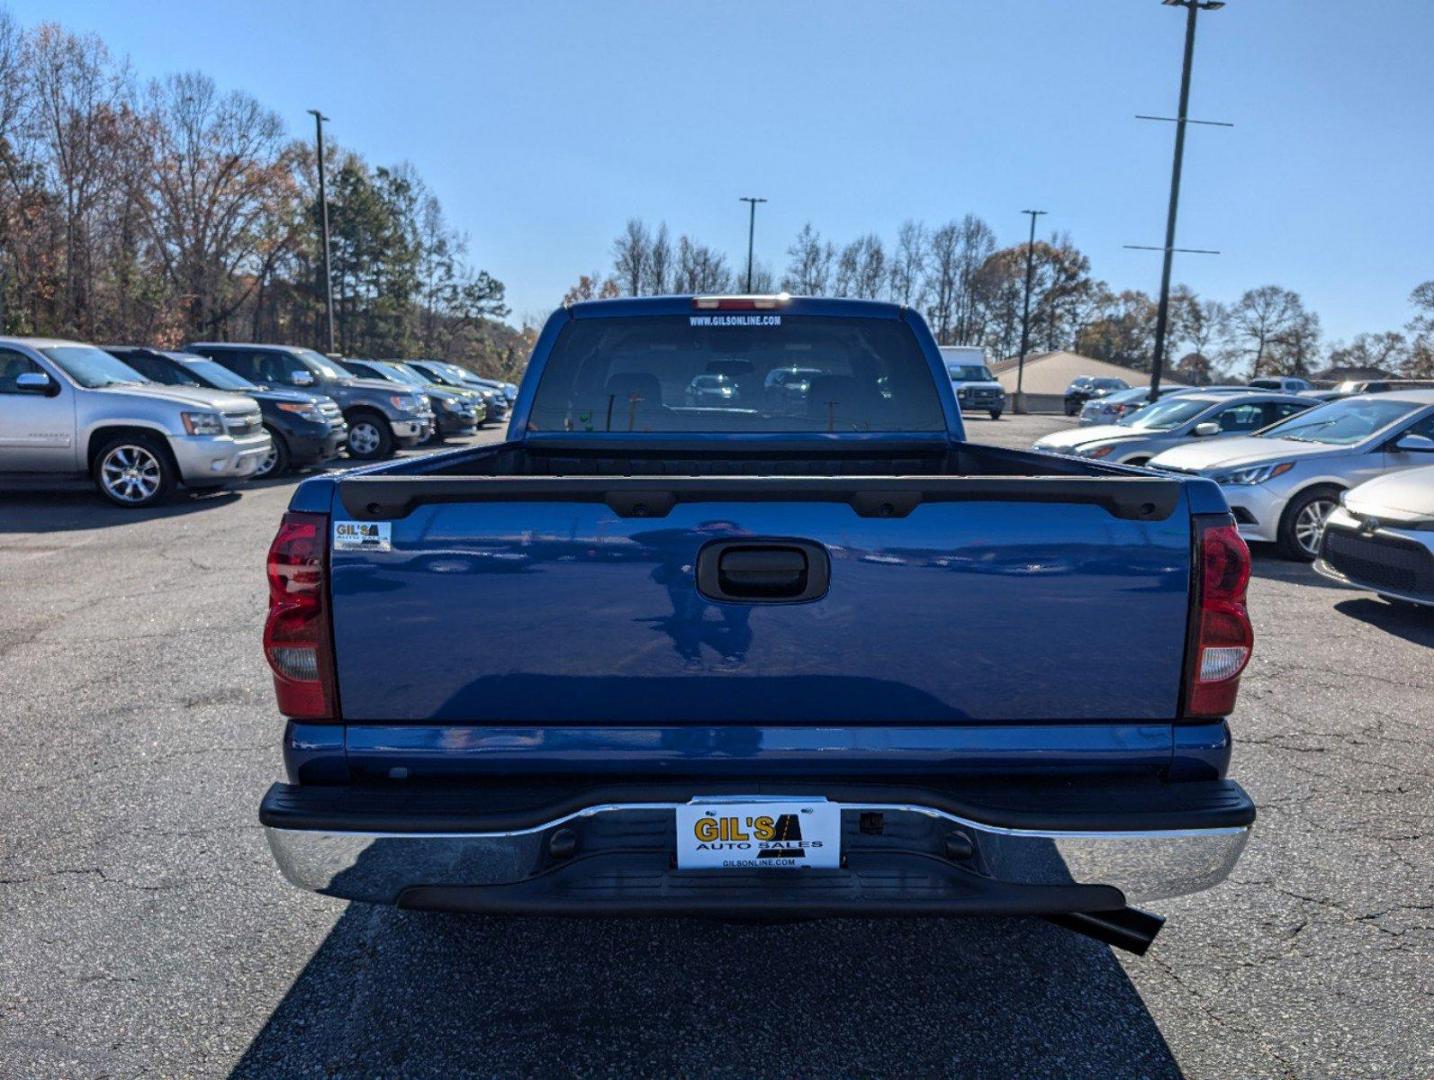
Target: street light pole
1020, 403
319, 119
1162, 316
751, 232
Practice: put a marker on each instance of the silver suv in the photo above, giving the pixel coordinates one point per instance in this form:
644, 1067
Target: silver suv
68, 410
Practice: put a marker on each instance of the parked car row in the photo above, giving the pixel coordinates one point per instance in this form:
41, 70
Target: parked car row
1110, 408
1138, 435
1285, 461
140, 421
1285, 481
455, 412
304, 428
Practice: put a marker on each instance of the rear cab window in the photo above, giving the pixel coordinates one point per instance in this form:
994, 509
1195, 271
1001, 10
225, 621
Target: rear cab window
787, 373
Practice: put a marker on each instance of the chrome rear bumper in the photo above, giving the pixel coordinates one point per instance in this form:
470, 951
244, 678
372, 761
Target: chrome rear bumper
926, 847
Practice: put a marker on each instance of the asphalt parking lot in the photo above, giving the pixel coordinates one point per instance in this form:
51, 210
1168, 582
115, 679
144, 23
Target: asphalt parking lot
145, 930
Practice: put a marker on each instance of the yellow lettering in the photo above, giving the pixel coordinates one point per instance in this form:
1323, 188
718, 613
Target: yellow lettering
765, 828
706, 829
732, 830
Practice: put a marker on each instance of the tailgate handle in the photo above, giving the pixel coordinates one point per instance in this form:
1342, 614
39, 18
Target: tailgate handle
763, 571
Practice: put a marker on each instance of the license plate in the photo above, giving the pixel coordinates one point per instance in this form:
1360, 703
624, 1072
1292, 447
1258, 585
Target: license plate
760, 833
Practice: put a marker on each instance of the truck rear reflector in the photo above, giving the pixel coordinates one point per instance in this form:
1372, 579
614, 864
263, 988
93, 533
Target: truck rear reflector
740, 303
297, 638
1223, 635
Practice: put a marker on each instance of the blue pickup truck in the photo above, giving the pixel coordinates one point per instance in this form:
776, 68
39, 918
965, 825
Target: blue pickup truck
775, 656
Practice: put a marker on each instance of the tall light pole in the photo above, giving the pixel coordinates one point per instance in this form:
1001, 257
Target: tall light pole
752, 202
319, 119
1020, 403
1162, 315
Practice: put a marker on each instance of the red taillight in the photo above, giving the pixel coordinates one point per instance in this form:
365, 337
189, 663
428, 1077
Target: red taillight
1223, 635
739, 303
296, 633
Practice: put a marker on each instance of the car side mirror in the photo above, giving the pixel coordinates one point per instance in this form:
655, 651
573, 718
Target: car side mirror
36, 382
1209, 427
1418, 444
302, 378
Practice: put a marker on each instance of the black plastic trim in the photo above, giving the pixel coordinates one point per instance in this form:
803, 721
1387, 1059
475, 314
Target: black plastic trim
1112, 806
810, 583
644, 885
385, 497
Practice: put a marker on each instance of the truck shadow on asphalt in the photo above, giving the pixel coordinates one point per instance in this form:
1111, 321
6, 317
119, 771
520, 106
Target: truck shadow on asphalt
72, 511
411, 993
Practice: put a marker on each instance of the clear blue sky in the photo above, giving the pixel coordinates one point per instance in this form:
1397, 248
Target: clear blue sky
543, 126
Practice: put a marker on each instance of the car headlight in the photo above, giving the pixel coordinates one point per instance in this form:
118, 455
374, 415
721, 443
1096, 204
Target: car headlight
455, 405
1096, 451
202, 423
307, 412
1255, 474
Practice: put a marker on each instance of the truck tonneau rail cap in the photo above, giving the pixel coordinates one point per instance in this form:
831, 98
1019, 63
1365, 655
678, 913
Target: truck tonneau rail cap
379, 498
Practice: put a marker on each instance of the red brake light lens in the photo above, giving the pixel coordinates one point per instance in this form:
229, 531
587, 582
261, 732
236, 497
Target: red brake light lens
296, 633
739, 303
1224, 636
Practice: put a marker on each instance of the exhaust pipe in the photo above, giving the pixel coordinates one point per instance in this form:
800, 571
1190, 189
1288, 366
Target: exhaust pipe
1128, 928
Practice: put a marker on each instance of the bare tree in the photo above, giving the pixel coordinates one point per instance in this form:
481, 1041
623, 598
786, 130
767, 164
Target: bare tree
955, 256
1259, 317
942, 283
658, 270
809, 266
1295, 349
975, 243
222, 171
631, 253
763, 280
861, 268
1201, 324
908, 264
699, 269
1387, 352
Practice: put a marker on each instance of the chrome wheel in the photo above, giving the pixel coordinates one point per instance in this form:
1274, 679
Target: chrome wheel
270, 460
1309, 524
364, 438
131, 474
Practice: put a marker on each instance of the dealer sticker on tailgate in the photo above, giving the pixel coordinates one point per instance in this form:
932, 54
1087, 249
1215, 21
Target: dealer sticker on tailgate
758, 834
363, 536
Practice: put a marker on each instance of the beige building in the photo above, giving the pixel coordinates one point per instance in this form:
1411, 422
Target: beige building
1048, 374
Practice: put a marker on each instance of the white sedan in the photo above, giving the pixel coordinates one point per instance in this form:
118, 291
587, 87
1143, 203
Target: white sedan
1381, 537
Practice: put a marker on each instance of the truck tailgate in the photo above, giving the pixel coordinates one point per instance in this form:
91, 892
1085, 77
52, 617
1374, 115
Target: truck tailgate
558, 610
